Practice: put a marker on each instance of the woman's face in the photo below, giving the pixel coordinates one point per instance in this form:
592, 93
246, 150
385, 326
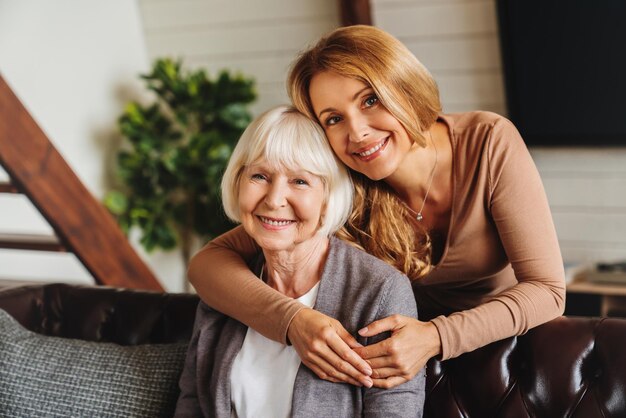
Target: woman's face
361, 131
280, 209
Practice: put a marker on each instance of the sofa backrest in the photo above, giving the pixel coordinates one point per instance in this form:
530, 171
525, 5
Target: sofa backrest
102, 314
569, 367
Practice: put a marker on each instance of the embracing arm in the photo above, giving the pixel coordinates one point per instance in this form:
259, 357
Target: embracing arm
223, 280
519, 208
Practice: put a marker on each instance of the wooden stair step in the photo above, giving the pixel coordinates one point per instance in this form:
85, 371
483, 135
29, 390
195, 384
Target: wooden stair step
7, 187
31, 242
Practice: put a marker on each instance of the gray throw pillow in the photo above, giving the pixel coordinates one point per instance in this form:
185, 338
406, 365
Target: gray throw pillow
43, 376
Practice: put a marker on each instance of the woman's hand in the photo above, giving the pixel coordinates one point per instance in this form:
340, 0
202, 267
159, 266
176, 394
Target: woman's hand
400, 357
325, 347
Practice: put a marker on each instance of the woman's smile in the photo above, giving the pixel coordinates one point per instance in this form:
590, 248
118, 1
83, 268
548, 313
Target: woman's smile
372, 151
275, 223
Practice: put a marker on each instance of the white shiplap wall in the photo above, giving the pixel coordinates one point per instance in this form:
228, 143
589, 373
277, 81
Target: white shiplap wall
257, 38
456, 39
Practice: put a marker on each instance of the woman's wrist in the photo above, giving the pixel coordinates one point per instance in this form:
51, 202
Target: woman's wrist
292, 325
434, 339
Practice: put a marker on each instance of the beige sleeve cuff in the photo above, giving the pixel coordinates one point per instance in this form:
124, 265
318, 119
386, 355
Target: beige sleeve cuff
439, 323
291, 312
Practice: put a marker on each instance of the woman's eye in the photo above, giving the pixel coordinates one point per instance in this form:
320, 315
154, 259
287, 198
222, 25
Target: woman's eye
371, 101
301, 182
257, 176
333, 120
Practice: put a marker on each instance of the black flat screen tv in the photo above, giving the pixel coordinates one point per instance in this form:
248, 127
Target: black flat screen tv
564, 67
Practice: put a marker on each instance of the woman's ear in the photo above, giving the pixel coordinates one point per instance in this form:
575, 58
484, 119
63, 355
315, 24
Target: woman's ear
323, 214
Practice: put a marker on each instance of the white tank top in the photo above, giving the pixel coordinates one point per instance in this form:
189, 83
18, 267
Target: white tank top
263, 374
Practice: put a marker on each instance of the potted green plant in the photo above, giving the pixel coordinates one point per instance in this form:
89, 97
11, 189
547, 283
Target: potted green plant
174, 152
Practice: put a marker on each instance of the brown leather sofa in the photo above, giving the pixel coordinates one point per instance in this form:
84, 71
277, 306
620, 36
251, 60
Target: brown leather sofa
570, 367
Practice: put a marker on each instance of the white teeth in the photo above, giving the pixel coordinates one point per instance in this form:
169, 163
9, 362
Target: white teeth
372, 150
273, 222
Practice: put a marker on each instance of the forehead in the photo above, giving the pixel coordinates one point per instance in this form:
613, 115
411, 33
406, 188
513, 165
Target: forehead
279, 168
329, 87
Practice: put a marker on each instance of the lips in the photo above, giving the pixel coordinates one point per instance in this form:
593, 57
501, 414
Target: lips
370, 151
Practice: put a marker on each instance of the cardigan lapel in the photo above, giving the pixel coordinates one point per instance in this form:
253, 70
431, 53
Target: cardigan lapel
307, 386
228, 347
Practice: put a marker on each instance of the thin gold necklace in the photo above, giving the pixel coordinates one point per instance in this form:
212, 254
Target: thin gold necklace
418, 215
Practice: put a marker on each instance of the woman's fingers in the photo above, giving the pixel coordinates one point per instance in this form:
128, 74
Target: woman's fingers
385, 372
380, 349
324, 346
390, 382
390, 323
400, 357
379, 363
325, 370
347, 337
342, 348
331, 358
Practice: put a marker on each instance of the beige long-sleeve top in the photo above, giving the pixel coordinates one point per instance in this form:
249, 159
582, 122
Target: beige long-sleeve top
501, 272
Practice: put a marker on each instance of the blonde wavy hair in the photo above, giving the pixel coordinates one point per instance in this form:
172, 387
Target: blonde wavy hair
379, 222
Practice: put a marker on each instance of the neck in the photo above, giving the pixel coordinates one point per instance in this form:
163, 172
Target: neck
411, 180
294, 272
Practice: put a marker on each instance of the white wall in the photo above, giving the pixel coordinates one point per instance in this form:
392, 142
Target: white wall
258, 38
74, 65
458, 41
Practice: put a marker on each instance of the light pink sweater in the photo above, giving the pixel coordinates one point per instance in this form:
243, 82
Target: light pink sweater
501, 272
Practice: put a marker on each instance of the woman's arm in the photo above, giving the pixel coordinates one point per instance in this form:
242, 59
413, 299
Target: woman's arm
224, 281
520, 210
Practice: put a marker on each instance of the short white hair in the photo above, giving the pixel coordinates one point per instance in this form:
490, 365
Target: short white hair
287, 139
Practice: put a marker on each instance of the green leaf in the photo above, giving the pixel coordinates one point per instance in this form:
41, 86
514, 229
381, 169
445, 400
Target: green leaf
236, 114
138, 214
116, 202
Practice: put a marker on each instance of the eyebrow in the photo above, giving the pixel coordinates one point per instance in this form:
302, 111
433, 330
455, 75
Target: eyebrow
332, 109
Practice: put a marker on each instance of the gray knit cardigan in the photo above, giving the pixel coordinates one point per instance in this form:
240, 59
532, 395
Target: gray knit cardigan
356, 289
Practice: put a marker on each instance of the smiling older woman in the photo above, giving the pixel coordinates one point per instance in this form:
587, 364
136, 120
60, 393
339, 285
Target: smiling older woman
290, 194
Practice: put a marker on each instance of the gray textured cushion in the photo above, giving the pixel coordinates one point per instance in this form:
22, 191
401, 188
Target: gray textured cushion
58, 377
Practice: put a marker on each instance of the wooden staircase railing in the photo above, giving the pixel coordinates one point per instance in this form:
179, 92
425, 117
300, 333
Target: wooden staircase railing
82, 225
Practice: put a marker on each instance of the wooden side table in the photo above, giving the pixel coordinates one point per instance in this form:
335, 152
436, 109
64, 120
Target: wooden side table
612, 296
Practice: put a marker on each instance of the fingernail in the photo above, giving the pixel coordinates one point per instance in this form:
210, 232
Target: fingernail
367, 371
368, 383
363, 330
358, 344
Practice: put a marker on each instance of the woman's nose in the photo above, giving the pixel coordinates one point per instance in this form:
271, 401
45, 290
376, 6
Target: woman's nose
359, 129
276, 196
